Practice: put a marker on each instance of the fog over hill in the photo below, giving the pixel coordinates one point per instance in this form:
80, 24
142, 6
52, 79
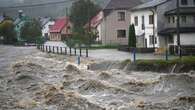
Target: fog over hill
37, 8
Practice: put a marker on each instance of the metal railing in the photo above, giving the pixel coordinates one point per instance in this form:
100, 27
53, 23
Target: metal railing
64, 50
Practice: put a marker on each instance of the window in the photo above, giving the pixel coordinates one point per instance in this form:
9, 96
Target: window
169, 19
136, 20
155, 40
121, 33
194, 19
151, 39
173, 19
121, 16
143, 23
151, 19
184, 2
183, 19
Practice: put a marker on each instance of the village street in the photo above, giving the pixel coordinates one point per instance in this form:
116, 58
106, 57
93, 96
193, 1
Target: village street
112, 54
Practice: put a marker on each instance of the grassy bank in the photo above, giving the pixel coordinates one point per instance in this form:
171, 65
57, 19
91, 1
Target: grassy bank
183, 60
104, 47
185, 64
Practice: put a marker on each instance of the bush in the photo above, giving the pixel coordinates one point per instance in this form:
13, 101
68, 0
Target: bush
40, 40
104, 46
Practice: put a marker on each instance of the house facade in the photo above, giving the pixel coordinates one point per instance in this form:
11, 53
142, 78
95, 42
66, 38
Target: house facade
156, 22
60, 30
116, 17
46, 24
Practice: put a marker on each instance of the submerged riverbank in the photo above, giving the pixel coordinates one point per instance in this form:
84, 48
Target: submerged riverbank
183, 65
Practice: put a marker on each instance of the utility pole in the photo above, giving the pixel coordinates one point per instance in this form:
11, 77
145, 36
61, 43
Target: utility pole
178, 30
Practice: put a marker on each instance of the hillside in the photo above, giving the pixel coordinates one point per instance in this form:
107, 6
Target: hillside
42, 8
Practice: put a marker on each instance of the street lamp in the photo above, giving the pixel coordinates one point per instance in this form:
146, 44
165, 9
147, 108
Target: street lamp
178, 29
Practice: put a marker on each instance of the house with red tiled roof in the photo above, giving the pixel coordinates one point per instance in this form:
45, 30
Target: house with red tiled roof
60, 30
95, 25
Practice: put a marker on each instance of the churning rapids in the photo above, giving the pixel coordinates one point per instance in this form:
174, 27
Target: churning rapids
44, 82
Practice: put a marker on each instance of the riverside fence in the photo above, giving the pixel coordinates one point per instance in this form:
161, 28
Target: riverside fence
64, 50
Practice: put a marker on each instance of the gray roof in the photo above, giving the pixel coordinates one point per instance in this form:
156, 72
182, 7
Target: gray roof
183, 11
122, 4
150, 4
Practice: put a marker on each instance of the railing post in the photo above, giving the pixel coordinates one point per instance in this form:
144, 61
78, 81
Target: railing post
49, 49
86, 52
46, 48
75, 51
134, 55
61, 49
53, 49
80, 51
57, 50
166, 55
65, 51
43, 48
40, 47
78, 60
70, 51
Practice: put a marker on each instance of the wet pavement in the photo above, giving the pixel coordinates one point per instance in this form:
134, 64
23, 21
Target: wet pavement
31, 80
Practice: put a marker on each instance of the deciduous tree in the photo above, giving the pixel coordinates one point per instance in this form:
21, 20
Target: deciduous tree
31, 31
8, 32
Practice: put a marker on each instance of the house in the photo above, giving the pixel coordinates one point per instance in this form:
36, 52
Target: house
60, 30
46, 23
95, 26
156, 22
113, 21
19, 23
2, 19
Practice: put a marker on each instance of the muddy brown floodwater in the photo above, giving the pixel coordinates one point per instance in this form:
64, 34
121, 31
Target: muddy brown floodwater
39, 81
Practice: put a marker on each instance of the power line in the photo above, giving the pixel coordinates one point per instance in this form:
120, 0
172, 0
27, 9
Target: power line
40, 4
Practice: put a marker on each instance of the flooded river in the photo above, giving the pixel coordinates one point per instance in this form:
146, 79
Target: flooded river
47, 82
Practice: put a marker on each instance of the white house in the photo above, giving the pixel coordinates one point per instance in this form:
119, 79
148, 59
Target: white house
155, 22
145, 22
46, 24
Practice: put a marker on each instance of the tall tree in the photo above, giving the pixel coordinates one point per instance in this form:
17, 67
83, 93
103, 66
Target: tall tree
31, 31
8, 32
81, 12
132, 36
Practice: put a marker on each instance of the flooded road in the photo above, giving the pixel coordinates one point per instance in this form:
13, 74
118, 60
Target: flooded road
39, 81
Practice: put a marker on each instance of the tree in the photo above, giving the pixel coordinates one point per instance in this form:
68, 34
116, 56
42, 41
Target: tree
132, 36
81, 13
8, 32
31, 31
